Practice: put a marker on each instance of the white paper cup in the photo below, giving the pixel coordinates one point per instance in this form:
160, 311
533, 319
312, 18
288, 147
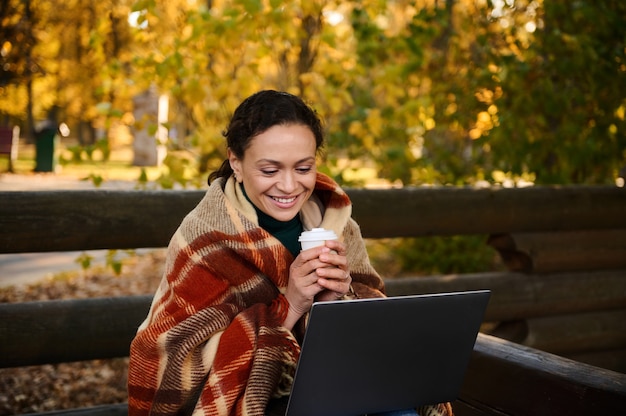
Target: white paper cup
316, 237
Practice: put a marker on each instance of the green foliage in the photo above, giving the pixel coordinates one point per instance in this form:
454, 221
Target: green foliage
95, 179
114, 259
142, 180
71, 60
432, 255
84, 260
419, 93
98, 151
562, 102
17, 44
456, 254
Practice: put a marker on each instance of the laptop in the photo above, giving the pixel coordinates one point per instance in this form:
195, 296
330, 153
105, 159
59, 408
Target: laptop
370, 355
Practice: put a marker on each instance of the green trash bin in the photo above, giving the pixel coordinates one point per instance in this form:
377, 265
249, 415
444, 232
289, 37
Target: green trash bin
45, 146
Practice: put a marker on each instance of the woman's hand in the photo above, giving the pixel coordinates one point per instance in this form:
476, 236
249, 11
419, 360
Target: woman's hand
335, 276
320, 273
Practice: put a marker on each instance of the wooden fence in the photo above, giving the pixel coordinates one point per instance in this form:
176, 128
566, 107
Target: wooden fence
565, 292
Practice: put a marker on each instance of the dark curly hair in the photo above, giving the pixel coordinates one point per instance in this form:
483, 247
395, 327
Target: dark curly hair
260, 112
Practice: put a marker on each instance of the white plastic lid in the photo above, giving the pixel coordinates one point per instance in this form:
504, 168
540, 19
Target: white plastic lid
317, 234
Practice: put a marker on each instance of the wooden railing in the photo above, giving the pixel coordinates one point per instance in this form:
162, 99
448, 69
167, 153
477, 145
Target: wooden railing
528, 303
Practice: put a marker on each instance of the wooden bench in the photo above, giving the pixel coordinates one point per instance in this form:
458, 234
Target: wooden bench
503, 377
9, 141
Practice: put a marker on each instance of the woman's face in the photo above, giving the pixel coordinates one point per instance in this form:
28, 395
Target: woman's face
278, 170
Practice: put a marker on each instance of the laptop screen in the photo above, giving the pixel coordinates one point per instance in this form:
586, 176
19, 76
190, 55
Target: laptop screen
370, 355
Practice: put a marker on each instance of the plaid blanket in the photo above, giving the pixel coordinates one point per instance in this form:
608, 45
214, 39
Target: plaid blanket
212, 343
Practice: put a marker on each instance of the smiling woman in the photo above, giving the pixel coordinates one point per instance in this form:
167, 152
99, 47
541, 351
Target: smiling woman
224, 331
278, 172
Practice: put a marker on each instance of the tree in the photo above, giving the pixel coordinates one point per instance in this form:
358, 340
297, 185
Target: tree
562, 107
458, 91
66, 56
89, 70
413, 92
18, 65
210, 58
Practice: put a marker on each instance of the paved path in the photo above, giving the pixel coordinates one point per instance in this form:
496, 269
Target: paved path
24, 268
50, 181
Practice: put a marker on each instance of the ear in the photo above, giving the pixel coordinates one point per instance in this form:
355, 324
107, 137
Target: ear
235, 165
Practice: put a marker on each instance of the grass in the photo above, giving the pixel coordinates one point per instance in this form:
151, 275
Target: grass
118, 167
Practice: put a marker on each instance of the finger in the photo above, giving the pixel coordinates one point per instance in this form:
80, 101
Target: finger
306, 255
338, 284
337, 246
327, 295
337, 292
307, 262
332, 273
302, 289
334, 259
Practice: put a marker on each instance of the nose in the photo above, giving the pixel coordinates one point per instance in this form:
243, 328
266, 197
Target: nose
287, 183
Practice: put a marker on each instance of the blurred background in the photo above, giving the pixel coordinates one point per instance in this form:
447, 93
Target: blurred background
134, 94
413, 93
427, 92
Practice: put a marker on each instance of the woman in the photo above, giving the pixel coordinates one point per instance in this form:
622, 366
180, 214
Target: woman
223, 333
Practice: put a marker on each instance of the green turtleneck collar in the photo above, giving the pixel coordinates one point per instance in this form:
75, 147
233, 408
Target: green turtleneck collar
287, 232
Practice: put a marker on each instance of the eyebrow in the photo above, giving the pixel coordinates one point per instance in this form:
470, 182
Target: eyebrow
276, 162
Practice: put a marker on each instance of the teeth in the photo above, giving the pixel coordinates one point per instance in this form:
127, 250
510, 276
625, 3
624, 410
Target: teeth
284, 200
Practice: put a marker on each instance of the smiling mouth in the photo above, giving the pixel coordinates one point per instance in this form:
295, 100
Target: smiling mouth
284, 200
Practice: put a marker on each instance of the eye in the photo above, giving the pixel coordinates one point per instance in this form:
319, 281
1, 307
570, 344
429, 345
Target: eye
269, 172
304, 169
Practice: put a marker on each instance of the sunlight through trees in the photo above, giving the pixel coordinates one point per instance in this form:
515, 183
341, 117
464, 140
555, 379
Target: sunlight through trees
458, 92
